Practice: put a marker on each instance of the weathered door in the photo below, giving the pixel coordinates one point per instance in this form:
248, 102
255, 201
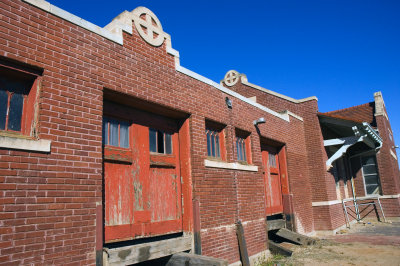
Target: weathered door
273, 186
141, 177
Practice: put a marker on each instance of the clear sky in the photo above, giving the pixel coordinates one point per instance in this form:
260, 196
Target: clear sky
340, 51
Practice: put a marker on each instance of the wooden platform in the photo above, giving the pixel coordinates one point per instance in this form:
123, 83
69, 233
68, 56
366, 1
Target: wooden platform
146, 251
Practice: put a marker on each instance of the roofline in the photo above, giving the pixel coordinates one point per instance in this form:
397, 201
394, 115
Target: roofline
118, 38
347, 108
287, 98
340, 117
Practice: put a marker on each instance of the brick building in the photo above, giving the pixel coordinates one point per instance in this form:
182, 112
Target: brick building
110, 148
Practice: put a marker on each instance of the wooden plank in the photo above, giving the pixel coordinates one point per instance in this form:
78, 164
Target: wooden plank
275, 248
295, 237
148, 251
276, 224
194, 259
244, 256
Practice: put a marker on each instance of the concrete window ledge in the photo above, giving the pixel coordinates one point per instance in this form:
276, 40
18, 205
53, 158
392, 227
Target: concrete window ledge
232, 166
17, 143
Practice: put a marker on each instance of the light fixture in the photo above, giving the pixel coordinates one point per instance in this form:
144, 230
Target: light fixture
228, 102
261, 120
395, 147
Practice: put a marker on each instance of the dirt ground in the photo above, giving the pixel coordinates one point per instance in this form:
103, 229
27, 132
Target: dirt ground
368, 243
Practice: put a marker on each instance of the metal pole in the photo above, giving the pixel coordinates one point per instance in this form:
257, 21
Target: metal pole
354, 193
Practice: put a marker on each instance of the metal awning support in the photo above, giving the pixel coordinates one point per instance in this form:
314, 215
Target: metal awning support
370, 137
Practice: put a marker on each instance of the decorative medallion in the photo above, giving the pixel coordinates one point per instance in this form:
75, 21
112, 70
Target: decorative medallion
231, 77
148, 26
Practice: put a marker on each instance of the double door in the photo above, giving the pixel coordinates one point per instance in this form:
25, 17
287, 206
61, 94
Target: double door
142, 180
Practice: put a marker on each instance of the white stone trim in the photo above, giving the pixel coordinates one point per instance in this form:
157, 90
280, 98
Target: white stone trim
393, 154
390, 196
231, 166
46, 6
334, 202
41, 145
292, 114
172, 51
245, 82
326, 203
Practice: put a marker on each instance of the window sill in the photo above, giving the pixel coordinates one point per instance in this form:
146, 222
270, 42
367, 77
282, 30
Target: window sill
232, 166
22, 143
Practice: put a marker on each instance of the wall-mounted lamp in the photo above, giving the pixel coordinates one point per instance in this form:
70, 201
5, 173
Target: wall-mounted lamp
395, 147
228, 102
261, 120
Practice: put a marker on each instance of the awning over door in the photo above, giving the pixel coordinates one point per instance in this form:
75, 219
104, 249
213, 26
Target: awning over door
341, 134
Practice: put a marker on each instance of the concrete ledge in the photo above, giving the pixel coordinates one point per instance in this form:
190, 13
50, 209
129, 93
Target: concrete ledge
326, 203
255, 259
16, 143
231, 166
146, 251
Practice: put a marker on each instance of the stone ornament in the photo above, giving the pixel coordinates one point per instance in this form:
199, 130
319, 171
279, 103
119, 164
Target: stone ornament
231, 77
148, 26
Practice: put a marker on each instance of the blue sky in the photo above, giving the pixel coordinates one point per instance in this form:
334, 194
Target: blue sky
340, 51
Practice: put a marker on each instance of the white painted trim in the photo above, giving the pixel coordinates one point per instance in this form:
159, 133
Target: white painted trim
231, 166
326, 203
334, 202
229, 92
245, 82
390, 196
41, 145
292, 114
172, 51
393, 154
46, 6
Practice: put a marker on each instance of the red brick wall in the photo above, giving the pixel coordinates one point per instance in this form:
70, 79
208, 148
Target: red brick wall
48, 200
314, 178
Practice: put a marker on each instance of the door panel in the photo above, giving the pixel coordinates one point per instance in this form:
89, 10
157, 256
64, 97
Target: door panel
273, 187
143, 192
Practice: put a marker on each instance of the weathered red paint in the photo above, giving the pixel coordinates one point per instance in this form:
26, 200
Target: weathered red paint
185, 165
283, 171
273, 187
143, 193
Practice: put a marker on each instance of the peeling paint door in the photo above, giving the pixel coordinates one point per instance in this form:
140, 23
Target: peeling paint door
273, 187
142, 181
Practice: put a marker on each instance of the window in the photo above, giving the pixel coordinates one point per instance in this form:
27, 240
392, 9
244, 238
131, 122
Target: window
215, 140
242, 144
272, 159
241, 149
18, 90
370, 174
213, 143
115, 132
160, 141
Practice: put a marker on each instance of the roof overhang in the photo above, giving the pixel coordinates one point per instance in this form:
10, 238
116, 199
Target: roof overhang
348, 133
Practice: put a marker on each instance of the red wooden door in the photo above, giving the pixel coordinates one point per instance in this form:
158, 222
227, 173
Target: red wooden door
273, 186
142, 181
